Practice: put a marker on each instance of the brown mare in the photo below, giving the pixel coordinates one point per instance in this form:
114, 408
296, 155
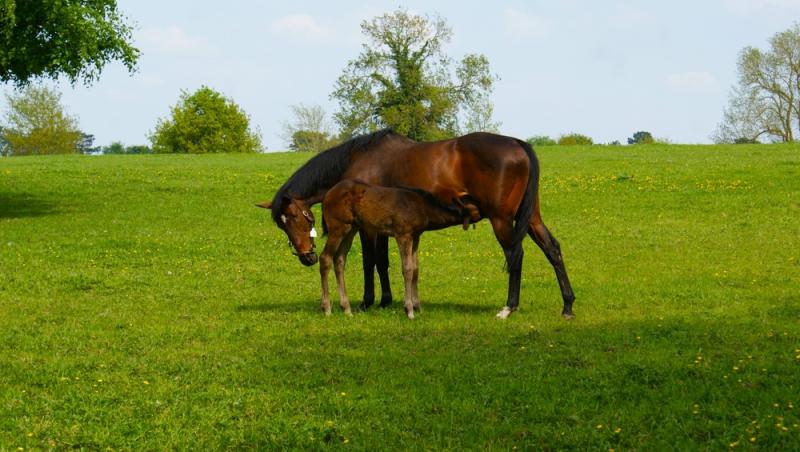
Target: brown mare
402, 213
492, 176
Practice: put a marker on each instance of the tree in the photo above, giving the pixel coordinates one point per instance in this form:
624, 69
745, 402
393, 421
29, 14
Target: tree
138, 149
641, 137
74, 38
541, 140
766, 100
572, 139
310, 130
402, 79
37, 123
205, 122
3, 144
86, 144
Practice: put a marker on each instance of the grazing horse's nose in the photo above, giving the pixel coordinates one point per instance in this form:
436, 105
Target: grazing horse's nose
308, 259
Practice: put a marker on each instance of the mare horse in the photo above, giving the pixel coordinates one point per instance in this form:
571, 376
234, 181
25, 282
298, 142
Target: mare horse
404, 213
497, 177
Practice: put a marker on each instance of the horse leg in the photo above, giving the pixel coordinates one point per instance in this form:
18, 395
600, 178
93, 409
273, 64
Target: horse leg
406, 245
552, 250
340, 260
368, 265
503, 231
382, 263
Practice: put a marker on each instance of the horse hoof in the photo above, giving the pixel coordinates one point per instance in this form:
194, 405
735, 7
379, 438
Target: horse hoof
348, 313
327, 313
411, 315
505, 312
364, 305
568, 315
385, 303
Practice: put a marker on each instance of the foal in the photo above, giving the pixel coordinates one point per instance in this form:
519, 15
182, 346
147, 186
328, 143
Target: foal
403, 213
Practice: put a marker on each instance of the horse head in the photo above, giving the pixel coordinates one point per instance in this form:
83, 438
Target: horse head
297, 221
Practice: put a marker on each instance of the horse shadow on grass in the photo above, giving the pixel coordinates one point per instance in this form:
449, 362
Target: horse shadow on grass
24, 205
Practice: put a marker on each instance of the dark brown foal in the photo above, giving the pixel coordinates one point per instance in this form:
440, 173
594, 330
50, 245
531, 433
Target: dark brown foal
403, 213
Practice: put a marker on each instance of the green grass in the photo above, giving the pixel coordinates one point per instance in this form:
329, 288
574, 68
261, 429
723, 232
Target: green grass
146, 304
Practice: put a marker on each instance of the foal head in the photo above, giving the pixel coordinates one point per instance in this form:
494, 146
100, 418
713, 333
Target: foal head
297, 221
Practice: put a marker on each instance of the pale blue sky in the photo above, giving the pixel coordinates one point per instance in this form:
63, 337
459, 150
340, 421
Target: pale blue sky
602, 68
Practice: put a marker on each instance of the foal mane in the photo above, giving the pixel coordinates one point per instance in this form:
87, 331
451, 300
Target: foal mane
323, 170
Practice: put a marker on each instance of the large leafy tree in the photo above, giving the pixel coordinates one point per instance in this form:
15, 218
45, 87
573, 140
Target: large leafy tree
205, 122
766, 101
36, 123
50, 38
402, 79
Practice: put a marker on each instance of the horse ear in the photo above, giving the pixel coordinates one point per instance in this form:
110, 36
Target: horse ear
265, 205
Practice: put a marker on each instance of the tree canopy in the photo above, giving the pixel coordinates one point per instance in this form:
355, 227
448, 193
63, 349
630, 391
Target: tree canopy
641, 137
36, 123
402, 79
765, 103
50, 38
205, 122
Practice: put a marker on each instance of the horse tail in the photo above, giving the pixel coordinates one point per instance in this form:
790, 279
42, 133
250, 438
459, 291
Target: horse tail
528, 203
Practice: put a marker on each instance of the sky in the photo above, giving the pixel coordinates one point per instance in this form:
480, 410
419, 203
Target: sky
605, 69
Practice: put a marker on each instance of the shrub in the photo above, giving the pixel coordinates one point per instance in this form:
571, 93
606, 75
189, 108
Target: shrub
205, 122
572, 139
311, 141
118, 148
541, 140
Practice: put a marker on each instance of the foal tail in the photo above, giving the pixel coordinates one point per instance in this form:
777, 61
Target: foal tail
528, 203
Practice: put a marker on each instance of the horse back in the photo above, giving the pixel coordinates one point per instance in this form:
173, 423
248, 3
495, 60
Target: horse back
491, 170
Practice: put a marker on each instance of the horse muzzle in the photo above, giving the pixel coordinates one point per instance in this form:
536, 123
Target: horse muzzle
308, 259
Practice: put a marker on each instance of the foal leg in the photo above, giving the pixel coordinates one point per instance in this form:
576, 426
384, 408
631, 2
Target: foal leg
325, 263
368, 265
549, 245
415, 280
340, 260
382, 263
406, 245
503, 231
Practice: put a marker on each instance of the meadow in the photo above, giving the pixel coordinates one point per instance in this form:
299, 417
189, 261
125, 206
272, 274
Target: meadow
145, 303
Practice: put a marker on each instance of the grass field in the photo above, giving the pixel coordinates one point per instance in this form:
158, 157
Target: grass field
146, 304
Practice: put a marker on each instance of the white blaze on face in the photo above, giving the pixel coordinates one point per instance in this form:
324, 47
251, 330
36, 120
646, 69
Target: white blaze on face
283, 218
313, 232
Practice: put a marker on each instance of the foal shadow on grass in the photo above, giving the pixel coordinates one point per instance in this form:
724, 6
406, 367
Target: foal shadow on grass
312, 306
23, 205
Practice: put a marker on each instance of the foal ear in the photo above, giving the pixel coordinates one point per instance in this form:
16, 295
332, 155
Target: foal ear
265, 205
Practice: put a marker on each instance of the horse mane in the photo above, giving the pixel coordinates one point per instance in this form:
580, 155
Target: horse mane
323, 170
